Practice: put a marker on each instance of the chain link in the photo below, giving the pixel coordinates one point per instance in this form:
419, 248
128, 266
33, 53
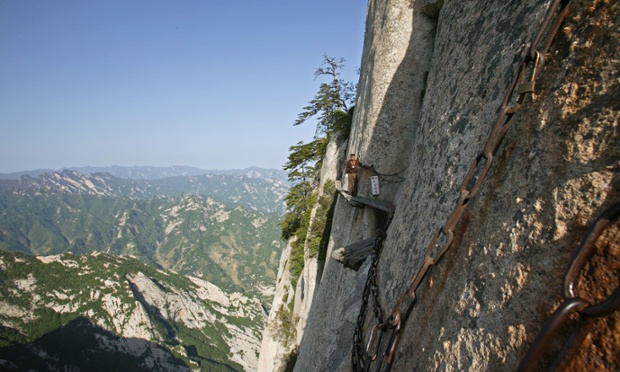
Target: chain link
385, 177
360, 356
523, 84
572, 303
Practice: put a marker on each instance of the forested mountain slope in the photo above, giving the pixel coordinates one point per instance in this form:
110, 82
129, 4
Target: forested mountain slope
175, 223
103, 312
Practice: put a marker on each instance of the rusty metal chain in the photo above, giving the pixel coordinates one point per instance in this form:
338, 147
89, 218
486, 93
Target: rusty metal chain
523, 84
573, 303
360, 357
389, 178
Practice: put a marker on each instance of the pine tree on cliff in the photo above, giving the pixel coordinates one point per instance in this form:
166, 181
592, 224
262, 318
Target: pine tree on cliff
331, 107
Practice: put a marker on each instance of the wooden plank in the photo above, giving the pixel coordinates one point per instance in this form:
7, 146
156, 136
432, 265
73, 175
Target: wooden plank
350, 200
353, 255
375, 203
358, 201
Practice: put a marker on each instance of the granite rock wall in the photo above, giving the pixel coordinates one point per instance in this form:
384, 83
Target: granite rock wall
434, 75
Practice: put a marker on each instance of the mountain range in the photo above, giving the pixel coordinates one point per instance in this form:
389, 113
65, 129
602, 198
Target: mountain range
153, 173
141, 242
224, 228
100, 312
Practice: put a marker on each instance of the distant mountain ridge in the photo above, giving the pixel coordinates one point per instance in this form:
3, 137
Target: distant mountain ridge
254, 189
120, 267
153, 173
224, 228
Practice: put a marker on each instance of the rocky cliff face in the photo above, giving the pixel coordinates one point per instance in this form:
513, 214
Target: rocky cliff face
434, 78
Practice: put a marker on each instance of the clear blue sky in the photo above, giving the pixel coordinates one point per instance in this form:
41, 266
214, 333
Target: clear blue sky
205, 83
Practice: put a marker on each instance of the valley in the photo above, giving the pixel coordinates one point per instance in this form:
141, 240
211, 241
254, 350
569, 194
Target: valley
140, 243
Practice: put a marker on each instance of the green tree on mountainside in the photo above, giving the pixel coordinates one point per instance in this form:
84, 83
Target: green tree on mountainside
332, 109
331, 104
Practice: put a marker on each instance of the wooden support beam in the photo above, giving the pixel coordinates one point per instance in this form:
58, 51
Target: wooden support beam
359, 201
375, 203
353, 255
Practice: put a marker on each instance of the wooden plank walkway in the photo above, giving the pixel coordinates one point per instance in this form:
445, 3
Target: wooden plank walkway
358, 201
353, 255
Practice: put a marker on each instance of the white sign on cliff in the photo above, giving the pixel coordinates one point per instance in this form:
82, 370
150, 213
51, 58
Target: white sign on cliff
374, 185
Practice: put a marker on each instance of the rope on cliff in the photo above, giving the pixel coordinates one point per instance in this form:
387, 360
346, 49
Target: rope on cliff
444, 236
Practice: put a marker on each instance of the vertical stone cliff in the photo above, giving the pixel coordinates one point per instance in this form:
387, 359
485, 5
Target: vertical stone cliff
433, 80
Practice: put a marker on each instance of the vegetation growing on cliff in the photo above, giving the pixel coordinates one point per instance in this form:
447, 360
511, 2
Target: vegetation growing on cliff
317, 235
284, 326
332, 109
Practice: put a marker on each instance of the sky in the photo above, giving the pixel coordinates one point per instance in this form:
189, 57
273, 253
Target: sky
215, 84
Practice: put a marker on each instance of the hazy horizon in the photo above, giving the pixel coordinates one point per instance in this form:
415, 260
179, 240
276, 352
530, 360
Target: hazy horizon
142, 166
207, 84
